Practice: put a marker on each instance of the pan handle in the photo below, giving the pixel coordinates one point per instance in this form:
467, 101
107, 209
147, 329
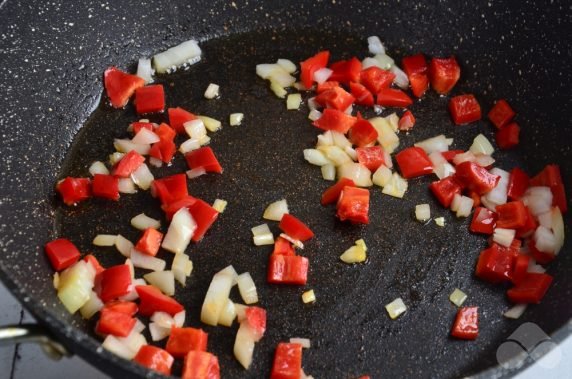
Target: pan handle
13, 334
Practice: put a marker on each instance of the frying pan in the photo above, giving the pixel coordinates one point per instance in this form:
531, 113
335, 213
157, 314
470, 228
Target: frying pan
55, 122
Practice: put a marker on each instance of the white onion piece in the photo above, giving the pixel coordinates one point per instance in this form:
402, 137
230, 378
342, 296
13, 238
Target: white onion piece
535, 268
370, 62
123, 245
125, 146
393, 120
384, 61
212, 91
545, 219
129, 263
98, 167
557, 229
465, 207
504, 237
132, 295
104, 240
260, 230
375, 46
287, 65
157, 332
244, 345
144, 70
322, 75
382, 176
133, 341
304, 342
220, 205
180, 231
263, 239
433, 144
422, 212
401, 79
456, 202
385, 134
196, 172
126, 185
316, 157
538, 199
351, 152
276, 210
240, 310
145, 137
147, 261
467, 156
179, 319
293, 101
189, 145
75, 284
265, 70
163, 280
139, 326
228, 314
484, 160
235, 119
187, 52
396, 187
356, 172
181, 268
142, 222
325, 139
293, 241
162, 319
336, 155
91, 307
314, 115
328, 172
216, 297
441, 167
396, 308
281, 78
544, 240
314, 105
481, 145
143, 177
114, 345
115, 157
498, 195
155, 162
340, 140
229, 270
247, 288
195, 129
515, 312
349, 110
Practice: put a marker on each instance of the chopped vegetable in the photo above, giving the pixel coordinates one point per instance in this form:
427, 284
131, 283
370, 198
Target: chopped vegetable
466, 324
516, 311
501, 114
507, 137
308, 297
119, 86
152, 300
295, 228
458, 297
247, 288
413, 162
74, 190
353, 205
183, 340
422, 212
187, 52
142, 222
287, 361
396, 308
440, 221
355, 254
155, 358
235, 119
75, 284
464, 109
200, 364
396, 186
212, 91
150, 99
220, 205
216, 297
61, 253
276, 210
287, 269
444, 74
293, 101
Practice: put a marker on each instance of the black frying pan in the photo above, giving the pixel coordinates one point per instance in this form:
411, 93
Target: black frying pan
55, 123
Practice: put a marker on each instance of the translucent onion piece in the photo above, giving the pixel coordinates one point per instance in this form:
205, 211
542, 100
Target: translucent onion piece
142, 222
396, 187
316, 157
393, 120
356, 172
434, 144
325, 139
115, 157
181, 267
544, 240
143, 177
440, 221
281, 78
276, 210
98, 167
123, 245
535, 268
126, 185
313, 104
458, 297
144, 70
244, 345
216, 297
156, 162
56, 280
498, 195
125, 146
384, 61
263, 239
220, 205
396, 308
195, 129
147, 262
163, 319
228, 314
157, 332
538, 199
340, 140
196, 172
465, 207
322, 75
163, 280
351, 152
515, 312
481, 145
235, 119
401, 79
293, 101
422, 212
467, 156
370, 62
180, 231
385, 134
132, 295
328, 172
382, 176
456, 202
212, 91
186, 52
304, 342
247, 288
504, 237
355, 254
278, 90
75, 285
557, 229
179, 319
104, 240
145, 137
336, 155
189, 145
308, 297
113, 344
484, 160
545, 219
91, 307
375, 46
314, 115
260, 230
211, 124
287, 65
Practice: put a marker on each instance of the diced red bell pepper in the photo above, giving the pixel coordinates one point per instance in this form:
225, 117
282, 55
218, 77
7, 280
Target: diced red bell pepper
203, 157
495, 265
484, 221
375, 79
137, 126
74, 190
517, 183
171, 208
466, 326
529, 226
106, 186
390, 97
407, 121
128, 164
177, 118
464, 109
95, 263
540, 257
335, 120
550, 177
508, 136
287, 361
476, 178
166, 132
346, 71
361, 94
353, 205
511, 215
520, 268
295, 228
115, 323
362, 133
200, 365
332, 194
152, 300
283, 247
451, 154
163, 150
445, 190
255, 317
204, 215
371, 157
150, 99
413, 162
476, 198
155, 358
126, 307
120, 85
531, 289
501, 114
62, 253
149, 242
115, 282
419, 84
183, 340
415, 67
287, 269
311, 65
336, 98
513, 248
170, 188
444, 74
325, 86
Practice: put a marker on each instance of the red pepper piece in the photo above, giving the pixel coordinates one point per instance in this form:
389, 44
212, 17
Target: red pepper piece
150, 99
115, 323
550, 177
517, 183
419, 84
311, 65
375, 79
255, 317
120, 85
332, 194
203, 157
155, 358
149, 242
62, 253
390, 97
451, 154
335, 98
531, 289
507, 137
476, 178
540, 256
529, 226
126, 307
464, 109
353, 205
95, 263
165, 132
520, 268
407, 121
183, 340
170, 188
361, 94
444, 74
177, 117
200, 365
204, 215
476, 198
501, 114
74, 190
466, 326
106, 186
152, 300
511, 215
295, 228
115, 282
137, 126
330, 84
413, 162
283, 247
171, 208
494, 265
287, 361
346, 71
163, 150
370, 157
287, 269
362, 133
484, 221
335, 120
445, 190
128, 164
415, 67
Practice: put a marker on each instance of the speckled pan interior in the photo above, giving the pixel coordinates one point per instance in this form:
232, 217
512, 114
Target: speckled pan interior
54, 123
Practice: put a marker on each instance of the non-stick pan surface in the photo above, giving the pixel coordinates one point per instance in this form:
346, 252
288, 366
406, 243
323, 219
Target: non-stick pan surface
54, 124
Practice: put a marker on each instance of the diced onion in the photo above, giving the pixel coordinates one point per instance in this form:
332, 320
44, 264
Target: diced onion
538, 199
340, 140
434, 144
155, 162
401, 79
322, 75
56, 280
336, 155
498, 195
287, 65
325, 139
142, 222
263, 239
504, 237
535, 268
384, 61
216, 297
440, 221
314, 115
278, 90
545, 219
458, 297
385, 134
205, 140
304, 342
351, 152
228, 314
314, 105
157, 332
75, 285
393, 120
98, 167
91, 307
180, 231
220, 205
293, 101
356, 172
465, 206
181, 268
196, 172
516, 311
132, 294
484, 160
557, 229
212, 91
163, 280
481, 145
355, 254
145, 137
125, 146
195, 129
143, 177
275, 211
375, 46
147, 261
179, 319
162, 319
328, 172
293, 241
235, 119
544, 240
113, 344
370, 62
244, 345
187, 52
189, 145
396, 187
308, 297
144, 70
126, 185
260, 230
123, 245
396, 308
210, 123
467, 156
316, 157
247, 288
361, 243
104, 240
115, 157
382, 176
422, 212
